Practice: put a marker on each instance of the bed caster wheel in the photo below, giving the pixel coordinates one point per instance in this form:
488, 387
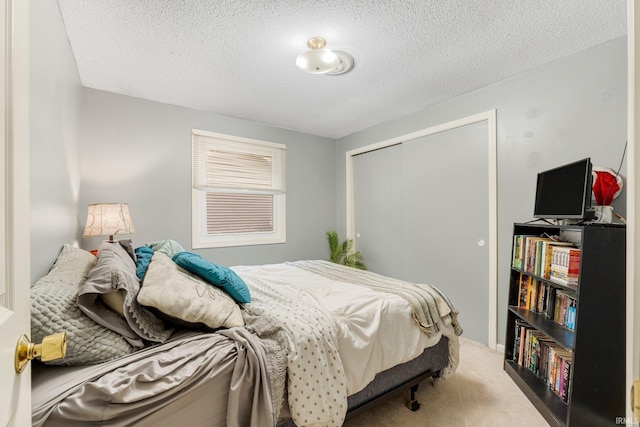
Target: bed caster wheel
435, 378
414, 405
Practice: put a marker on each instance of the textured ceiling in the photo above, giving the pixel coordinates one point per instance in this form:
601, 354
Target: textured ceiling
237, 58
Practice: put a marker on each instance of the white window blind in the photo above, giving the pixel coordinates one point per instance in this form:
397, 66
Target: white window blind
239, 191
239, 213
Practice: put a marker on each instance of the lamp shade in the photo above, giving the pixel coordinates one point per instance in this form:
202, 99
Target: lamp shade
108, 219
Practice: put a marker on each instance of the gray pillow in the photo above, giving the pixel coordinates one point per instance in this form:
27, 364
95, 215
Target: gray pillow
115, 271
54, 309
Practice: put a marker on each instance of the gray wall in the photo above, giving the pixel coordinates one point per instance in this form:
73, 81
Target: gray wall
55, 99
563, 111
139, 152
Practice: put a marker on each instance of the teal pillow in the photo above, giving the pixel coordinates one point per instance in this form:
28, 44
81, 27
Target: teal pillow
143, 258
215, 274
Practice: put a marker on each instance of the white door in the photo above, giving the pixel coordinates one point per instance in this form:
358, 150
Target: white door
15, 390
446, 217
377, 194
421, 203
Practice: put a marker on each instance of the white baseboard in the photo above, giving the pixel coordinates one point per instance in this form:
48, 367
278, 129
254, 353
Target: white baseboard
500, 348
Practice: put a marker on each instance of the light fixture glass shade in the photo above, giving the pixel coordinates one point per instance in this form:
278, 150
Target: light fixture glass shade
108, 219
320, 60
317, 61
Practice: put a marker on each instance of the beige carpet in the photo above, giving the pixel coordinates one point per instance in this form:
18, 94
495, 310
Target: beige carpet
480, 393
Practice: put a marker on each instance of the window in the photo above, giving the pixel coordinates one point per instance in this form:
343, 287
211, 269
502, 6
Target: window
238, 191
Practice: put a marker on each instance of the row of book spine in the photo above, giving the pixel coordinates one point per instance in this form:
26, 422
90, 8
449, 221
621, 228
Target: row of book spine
556, 304
542, 356
547, 257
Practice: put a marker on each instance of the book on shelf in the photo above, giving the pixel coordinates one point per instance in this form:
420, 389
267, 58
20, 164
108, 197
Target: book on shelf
547, 258
536, 342
522, 251
535, 295
565, 265
547, 255
560, 383
544, 291
547, 300
532, 252
564, 311
523, 290
518, 342
516, 257
547, 360
518, 251
527, 292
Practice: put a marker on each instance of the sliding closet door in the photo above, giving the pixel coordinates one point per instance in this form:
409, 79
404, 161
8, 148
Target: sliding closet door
377, 177
421, 214
446, 219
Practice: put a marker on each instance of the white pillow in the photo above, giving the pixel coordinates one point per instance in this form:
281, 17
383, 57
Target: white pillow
185, 297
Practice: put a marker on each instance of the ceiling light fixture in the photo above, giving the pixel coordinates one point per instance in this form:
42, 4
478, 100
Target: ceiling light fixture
320, 60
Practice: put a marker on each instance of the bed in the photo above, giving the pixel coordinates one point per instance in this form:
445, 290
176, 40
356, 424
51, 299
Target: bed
157, 335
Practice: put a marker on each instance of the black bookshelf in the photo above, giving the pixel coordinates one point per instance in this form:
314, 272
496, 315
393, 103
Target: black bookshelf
596, 394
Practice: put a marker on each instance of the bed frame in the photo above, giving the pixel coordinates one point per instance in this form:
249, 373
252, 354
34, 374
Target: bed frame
402, 378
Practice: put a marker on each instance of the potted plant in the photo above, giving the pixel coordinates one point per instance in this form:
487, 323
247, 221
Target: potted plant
343, 253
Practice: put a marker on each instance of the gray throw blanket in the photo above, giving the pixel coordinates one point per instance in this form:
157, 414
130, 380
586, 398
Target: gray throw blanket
274, 340
163, 385
431, 308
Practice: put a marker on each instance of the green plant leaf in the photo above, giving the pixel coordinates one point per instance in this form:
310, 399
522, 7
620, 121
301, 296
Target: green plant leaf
335, 249
343, 253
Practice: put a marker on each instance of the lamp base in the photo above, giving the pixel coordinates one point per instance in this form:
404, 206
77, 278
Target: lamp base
602, 214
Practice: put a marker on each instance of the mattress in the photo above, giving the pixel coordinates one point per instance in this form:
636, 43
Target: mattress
375, 330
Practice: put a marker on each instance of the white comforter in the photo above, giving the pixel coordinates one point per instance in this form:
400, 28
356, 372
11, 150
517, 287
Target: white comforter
340, 336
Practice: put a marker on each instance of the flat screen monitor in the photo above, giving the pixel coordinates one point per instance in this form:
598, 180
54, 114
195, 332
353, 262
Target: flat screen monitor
564, 192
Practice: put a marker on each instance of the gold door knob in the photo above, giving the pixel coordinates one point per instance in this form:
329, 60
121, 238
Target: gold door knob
52, 347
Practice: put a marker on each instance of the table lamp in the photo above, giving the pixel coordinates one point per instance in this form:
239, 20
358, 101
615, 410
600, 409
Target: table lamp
108, 219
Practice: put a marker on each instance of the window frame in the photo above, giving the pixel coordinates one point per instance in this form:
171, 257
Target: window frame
200, 239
